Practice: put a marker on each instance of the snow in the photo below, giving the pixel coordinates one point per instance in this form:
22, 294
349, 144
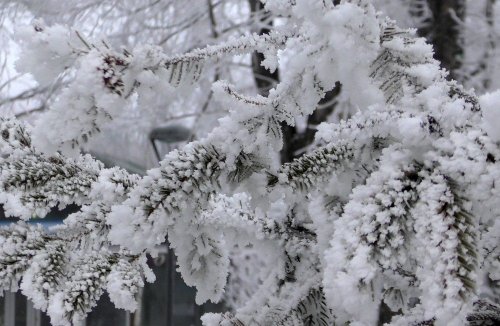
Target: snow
394, 204
491, 117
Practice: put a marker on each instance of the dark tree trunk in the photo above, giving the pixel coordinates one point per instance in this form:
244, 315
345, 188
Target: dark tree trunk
490, 19
306, 138
443, 31
294, 143
490, 46
265, 80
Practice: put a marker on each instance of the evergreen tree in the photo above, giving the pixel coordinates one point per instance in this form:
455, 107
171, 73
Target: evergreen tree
397, 204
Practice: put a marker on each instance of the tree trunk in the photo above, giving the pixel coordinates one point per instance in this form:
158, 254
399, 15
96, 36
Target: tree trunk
265, 80
444, 33
294, 143
490, 50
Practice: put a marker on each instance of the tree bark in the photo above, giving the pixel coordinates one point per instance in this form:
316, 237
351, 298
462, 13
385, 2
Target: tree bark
294, 143
444, 32
265, 81
490, 50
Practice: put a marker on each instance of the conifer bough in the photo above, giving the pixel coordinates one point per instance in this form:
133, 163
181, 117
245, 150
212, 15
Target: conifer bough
396, 206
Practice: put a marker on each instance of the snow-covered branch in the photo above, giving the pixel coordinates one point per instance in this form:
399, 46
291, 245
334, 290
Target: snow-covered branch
397, 205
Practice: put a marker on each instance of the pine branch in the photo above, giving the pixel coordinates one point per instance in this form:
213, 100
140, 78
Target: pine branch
374, 231
45, 182
233, 215
85, 285
313, 310
192, 172
68, 285
401, 52
447, 234
86, 229
306, 171
246, 44
124, 282
46, 273
20, 243
278, 299
429, 322
105, 79
485, 314
203, 260
467, 252
197, 172
14, 136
